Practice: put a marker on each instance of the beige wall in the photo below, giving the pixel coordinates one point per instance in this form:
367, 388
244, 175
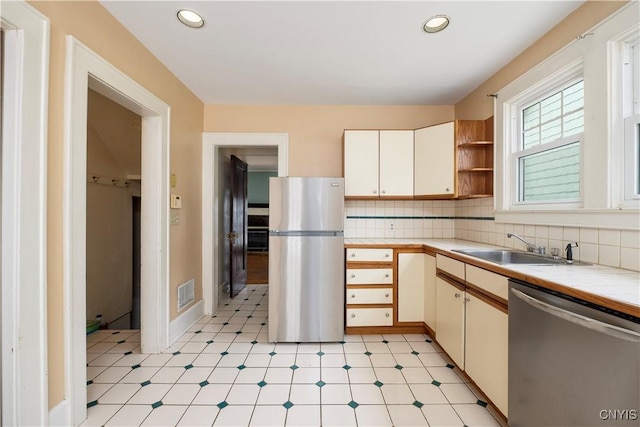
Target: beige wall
315, 132
477, 105
90, 23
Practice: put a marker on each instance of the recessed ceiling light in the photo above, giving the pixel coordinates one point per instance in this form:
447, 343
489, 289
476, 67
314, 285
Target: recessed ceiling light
436, 23
190, 18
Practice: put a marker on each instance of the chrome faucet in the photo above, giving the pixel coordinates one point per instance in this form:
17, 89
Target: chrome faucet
530, 247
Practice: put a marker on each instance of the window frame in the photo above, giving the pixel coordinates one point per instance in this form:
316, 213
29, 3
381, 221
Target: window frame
627, 66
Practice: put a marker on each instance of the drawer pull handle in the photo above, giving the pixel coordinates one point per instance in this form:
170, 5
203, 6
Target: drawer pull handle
353, 315
467, 299
386, 295
386, 255
353, 295
386, 275
384, 191
386, 315
353, 255
353, 276
457, 295
375, 191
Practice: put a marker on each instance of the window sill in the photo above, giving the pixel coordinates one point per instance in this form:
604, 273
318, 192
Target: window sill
619, 219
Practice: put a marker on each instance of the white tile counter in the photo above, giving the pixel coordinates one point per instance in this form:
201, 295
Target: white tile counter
614, 288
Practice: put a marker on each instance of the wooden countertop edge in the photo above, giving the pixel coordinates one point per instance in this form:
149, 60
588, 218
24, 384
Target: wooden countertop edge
620, 306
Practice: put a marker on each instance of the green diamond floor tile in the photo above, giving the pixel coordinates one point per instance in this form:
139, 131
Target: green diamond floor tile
320, 353
175, 353
436, 383
288, 404
482, 403
273, 353
262, 384
378, 384
241, 367
135, 366
156, 404
398, 367
293, 367
418, 404
353, 404
146, 383
91, 404
222, 404
204, 383
189, 366
450, 366
346, 367
368, 353
321, 384
415, 353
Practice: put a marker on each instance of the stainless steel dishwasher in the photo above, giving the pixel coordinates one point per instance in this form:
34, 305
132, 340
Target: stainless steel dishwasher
571, 363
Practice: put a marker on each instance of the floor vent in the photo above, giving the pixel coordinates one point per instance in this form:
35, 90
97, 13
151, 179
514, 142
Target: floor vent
186, 293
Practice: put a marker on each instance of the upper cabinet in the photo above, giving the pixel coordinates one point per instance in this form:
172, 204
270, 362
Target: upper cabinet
434, 161
378, 164
445, 161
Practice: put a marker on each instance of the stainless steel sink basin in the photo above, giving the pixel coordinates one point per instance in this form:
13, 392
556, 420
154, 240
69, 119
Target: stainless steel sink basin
505, 256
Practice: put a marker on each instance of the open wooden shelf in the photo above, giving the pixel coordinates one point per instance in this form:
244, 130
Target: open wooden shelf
474, 155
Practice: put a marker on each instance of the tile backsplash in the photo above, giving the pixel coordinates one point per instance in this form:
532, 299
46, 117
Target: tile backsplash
472, 219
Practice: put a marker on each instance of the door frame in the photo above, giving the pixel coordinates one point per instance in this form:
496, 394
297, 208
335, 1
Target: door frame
85, 69
24, 217
212, 142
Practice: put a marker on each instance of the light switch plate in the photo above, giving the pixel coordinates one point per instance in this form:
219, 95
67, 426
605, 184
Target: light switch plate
176, 201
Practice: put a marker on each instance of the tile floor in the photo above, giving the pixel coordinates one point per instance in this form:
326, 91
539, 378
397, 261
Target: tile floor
223, 372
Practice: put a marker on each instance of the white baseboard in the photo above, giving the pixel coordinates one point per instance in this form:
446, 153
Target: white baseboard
182, 323
60, 414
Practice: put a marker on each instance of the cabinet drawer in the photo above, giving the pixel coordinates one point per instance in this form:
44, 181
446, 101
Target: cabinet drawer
369, 255
490, 282
369, 276
369, 317
451, 266
370, 296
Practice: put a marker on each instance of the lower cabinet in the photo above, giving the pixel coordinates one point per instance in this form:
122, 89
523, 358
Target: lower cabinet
486, 348
450, 319
411, 287
429, 310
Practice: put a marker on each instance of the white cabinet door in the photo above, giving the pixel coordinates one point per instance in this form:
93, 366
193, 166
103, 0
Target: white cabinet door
434, 160
361, 163
410, 287
430, 291
396, 163
450, 320
486, 347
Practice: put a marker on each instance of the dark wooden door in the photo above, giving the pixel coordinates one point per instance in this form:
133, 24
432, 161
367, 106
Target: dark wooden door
237, 236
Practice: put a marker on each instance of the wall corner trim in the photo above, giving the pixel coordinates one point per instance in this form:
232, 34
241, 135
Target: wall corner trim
60, 415
182, 323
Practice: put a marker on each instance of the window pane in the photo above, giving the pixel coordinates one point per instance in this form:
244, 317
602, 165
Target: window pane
573, 97
531, 117
531, 137
551, 131
551, 107
551, 175
573, 123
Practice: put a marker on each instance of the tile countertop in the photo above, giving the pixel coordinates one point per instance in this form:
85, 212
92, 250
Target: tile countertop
613, 288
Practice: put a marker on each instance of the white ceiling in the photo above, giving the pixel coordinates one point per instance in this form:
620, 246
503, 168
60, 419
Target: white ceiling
337, 52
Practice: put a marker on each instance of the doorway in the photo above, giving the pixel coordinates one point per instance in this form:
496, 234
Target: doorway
89, 71
214, 149
113, 184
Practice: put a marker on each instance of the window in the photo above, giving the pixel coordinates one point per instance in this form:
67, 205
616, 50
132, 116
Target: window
547, 156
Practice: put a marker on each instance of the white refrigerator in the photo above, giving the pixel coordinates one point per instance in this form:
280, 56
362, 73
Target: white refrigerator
306, 259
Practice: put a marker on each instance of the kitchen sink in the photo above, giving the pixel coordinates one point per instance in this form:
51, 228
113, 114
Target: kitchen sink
505, 256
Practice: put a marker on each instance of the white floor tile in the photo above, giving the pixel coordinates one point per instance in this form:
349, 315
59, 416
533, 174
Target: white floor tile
335, 394
262, 348
240, 347
389, 375
442, 415
373, 415
156, 360
119, 393
268, 416
110, 375
165, 416
353, 338
167, 375
149, 394
232, 416
212, 394
232, 360
195, 375
308, 348
305, 415
278, 375
354, 347
199, 416
444, 375
378, 347
181, 359
475, 415
130, 415
423, 347
129, 359
406, 415
428, 394
98, 415
280, 360
223, 375
308, 360
216, 348
286, 348
125, 347
94, 391
334, 375
432, 359
181, 394
362, 375
358, 360
367, 394
257, 360
306, 375
458, 393
415, 337
333, 360
206, 360
101, 347
408, 360
274, 394
338, 415
139, 375
397, 394
193, 347
417, 376
304, 394
106, 359
251, 375
399, 347
243, 394
382, 360
331, 348
372, 338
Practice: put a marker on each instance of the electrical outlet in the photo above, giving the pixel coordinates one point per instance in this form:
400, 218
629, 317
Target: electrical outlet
392, 226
